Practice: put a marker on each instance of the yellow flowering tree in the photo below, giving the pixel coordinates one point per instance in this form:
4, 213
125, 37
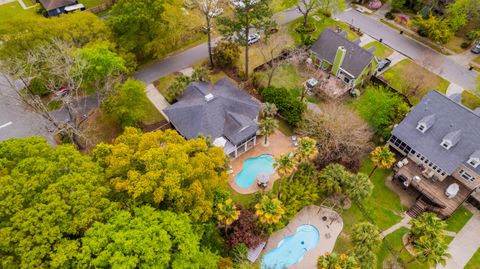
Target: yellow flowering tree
227, 213
382, 157
269, 210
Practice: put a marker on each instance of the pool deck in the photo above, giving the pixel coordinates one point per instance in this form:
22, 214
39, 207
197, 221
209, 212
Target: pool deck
278, 144
329, 231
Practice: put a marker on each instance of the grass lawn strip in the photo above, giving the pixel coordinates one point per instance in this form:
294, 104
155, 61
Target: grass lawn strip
455, 44
470, 100
381, 51
13, 10
474, 262
456, 221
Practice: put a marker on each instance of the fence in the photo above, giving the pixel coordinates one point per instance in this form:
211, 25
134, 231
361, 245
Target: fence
379, 81
284, 55
97, 9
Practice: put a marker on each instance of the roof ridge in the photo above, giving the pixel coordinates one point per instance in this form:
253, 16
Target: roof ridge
458, 104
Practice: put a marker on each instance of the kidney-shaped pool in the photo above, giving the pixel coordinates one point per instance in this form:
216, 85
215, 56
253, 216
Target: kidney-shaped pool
292, 249
252, 167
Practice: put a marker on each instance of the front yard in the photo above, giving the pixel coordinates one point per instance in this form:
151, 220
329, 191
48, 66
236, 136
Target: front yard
381, 50
421, 78
14, 10
470, 100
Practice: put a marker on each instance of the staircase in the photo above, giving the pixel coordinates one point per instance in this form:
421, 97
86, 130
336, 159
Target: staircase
418, 208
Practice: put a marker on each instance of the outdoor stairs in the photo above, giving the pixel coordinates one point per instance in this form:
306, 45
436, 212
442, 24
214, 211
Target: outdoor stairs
418, 208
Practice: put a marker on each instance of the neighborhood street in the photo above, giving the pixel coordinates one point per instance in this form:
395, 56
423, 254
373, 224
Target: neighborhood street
15, 119
442, 65
439, 64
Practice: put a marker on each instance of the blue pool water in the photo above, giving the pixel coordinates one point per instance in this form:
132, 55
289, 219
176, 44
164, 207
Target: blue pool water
292, 248
252, 167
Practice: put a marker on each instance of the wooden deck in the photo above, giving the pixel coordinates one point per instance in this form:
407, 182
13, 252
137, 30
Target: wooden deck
434, 192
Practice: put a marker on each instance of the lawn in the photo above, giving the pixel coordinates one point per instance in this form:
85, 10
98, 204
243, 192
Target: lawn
153, 115
474, 262
429, 80
92, 3
284, 127
381, 50
14, 10
456, 221
470, 100
100, 127
455, 44
320, 25
477, 60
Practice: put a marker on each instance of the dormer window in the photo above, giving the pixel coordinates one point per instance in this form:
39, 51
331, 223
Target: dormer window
446, 144
473, 162
425, 123
451, 139
421, 127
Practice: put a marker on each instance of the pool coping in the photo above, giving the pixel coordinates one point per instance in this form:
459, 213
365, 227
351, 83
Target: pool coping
254, 188
312, 215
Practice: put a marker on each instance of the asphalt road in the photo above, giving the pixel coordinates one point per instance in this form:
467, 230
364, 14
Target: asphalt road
190, 56
438, 63
15, 119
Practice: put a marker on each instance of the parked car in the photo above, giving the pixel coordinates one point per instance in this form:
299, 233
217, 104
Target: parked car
476, 48
253, 38
383, 64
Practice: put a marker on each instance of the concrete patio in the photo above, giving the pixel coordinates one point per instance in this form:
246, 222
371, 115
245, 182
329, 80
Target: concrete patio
278, 144
329, 230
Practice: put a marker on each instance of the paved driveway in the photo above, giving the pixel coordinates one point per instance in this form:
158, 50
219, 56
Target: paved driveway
444, 66
15, 119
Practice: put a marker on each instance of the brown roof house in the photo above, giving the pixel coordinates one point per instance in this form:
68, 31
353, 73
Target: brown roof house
57, 7
222, 112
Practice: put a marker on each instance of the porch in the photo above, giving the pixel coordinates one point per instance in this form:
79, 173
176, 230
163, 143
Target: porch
432, 193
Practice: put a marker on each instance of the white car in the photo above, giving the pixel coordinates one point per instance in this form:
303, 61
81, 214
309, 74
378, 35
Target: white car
253, 38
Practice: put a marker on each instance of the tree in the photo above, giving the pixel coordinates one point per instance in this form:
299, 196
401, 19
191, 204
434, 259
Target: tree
269, 210
226, 54
382, 157
181, 82
208, 8
306, 149
271, 51
165, 170
268, 110
437, 29
150, 27
227, 213
267, 127
128, 105
331, 177
288, 105
341, 135
398, 4
284, 164
146, 238
367, 235
335, 261
248, 14
381, 109
426, 225
245, 231
358, 187
460, 12
49, 198
306, 7
430, 251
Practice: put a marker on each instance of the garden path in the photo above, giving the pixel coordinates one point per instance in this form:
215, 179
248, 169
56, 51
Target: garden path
157, 99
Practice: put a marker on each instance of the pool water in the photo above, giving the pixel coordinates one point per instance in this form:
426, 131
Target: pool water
292, 249
252, 167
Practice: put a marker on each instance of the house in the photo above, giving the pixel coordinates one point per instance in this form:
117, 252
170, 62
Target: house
57, 7
222, 112
334, 53
440, 139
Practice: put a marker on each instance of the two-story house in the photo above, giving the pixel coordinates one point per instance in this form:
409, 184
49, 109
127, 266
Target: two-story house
222, 112
440, 139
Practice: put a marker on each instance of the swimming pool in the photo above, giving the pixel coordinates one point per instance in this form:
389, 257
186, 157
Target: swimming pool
292, 248
252, 167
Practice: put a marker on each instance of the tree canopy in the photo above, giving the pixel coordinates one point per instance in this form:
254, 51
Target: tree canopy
165, 170
49, 198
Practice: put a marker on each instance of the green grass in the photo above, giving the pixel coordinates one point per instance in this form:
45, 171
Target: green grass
429, 80
381, 50
470, 100
14, 10
477, 60
456, 221
284, 127
474, 262
244, 200
320, 25
92, 3
153, 115
455, 44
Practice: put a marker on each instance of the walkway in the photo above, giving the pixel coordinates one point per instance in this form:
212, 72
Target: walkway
329, 230
447, 67
403, 223
465, 244
157, 99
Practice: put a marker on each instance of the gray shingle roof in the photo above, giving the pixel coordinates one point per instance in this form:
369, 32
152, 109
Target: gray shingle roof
230, 113
428, 121
356, 58
53, 4
450, 118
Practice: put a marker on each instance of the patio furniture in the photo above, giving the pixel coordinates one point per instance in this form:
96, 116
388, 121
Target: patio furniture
263, 179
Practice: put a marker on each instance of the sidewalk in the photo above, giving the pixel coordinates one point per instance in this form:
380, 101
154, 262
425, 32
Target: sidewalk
157, 99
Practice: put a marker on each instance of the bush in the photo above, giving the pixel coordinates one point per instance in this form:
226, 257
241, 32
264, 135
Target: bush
309, 28
307, 40
465, 45
245, 231
37, 86
288, 105
422, 32
389, 15
472, 35
226, 54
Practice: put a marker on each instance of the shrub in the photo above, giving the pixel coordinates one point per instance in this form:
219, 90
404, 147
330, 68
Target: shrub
226, 54
288, 105
245, 231
37, 86
472, 35
465, 45
422, 32
389, 15
309, 28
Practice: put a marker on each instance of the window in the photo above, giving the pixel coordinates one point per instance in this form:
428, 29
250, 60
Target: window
446, 144
422, 158
473, 162
466, 176
421, 128
443, 173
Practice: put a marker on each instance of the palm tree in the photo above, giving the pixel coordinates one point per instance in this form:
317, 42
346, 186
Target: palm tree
430, 251
331, 178
284, 165
227, 213
334, 261
382, 157
358, 187
269, 210
428, 224
306, 149
367, 235
267, 127
268, 110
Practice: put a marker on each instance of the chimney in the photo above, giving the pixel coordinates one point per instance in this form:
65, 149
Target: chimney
339, 56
